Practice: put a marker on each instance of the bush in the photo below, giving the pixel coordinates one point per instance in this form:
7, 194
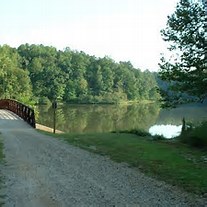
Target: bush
44, 101
158, 137
196, 137
138, 132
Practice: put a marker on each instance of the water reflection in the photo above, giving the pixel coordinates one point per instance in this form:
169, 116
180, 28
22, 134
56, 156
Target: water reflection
193, 113
106, 118
100, 118
168, 131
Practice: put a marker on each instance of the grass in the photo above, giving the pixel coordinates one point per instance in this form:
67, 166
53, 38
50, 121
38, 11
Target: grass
170, 161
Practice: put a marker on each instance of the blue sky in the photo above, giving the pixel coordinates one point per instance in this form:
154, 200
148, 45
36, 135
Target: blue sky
125, 30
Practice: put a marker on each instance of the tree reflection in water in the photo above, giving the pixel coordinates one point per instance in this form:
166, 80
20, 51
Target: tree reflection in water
106, 118
100, 118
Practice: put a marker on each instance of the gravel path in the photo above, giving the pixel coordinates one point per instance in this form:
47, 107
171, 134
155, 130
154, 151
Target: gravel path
41, 171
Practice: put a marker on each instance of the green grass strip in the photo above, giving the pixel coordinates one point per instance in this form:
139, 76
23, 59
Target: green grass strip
172, 162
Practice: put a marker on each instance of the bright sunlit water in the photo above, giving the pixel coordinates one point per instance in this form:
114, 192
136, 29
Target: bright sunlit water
168, 131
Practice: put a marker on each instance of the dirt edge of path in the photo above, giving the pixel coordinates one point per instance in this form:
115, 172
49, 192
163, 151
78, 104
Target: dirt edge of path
47, 129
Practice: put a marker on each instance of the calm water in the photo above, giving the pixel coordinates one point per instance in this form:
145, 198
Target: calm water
105, 118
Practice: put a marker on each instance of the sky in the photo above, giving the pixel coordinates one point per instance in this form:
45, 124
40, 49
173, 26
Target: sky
124, 30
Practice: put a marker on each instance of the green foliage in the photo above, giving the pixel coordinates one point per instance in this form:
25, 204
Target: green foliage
142, 133
44, 101
158, 137
195, 137
14, 80
40, 72
186, 69
137, 132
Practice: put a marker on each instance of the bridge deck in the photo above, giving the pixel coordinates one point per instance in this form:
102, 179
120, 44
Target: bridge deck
9, 120
5, 114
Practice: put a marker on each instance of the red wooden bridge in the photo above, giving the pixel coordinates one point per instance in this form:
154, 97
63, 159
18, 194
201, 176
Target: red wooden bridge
22, 110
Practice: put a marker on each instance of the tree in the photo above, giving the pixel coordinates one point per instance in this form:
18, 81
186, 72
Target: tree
14, 81
186, 69
69, 76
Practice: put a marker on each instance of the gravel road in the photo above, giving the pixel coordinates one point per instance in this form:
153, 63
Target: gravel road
41, 171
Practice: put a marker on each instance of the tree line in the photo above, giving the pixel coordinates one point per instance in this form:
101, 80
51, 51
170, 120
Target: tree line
43, 73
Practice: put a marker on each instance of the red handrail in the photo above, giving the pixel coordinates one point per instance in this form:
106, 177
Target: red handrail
23, 111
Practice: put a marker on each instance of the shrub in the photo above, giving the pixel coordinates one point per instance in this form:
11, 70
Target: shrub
158, 137
138, 132
196, 137
44, 101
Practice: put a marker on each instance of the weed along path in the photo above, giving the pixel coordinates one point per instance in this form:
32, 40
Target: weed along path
41, 171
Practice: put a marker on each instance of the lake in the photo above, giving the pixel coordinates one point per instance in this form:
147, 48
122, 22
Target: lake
105, 118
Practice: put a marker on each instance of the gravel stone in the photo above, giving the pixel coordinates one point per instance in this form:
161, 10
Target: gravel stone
42, 171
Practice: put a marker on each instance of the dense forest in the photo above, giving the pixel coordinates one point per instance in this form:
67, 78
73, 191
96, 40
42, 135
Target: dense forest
41, 74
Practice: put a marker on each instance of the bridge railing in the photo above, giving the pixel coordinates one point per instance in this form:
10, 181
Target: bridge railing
23, 111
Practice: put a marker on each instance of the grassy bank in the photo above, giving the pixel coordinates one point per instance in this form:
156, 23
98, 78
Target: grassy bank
172, 162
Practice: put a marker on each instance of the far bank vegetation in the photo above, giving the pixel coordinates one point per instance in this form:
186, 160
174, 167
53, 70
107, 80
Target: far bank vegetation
41, 73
